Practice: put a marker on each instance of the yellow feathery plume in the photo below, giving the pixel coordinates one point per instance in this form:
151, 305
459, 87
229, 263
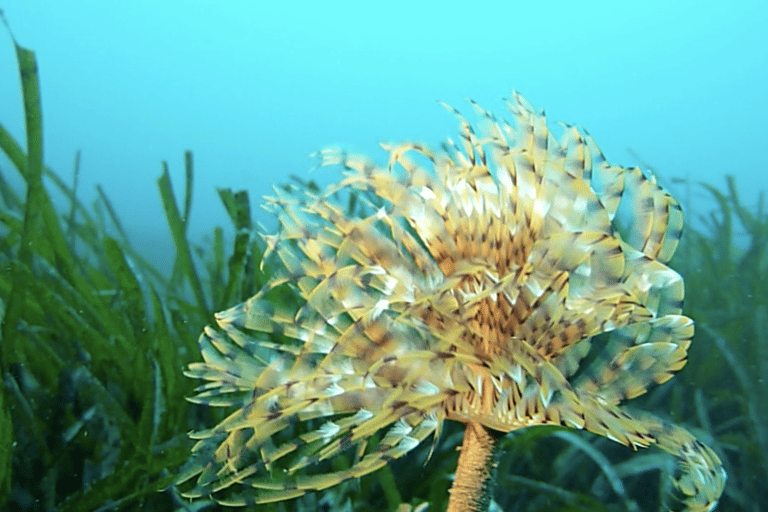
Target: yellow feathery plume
467, 287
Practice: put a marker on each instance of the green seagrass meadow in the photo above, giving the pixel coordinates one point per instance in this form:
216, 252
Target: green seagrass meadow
94, 340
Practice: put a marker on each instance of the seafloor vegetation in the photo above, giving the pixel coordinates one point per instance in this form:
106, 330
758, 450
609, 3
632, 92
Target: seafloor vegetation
93, 409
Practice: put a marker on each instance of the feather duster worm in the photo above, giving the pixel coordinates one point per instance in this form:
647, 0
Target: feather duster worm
468, 289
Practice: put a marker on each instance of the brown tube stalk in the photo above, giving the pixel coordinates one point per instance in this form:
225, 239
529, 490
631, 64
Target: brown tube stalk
473, 483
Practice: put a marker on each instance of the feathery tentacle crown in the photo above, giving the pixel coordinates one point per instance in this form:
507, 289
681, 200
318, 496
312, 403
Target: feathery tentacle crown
468, 289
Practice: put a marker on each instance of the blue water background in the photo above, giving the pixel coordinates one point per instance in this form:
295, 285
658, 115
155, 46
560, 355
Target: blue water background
253, 88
